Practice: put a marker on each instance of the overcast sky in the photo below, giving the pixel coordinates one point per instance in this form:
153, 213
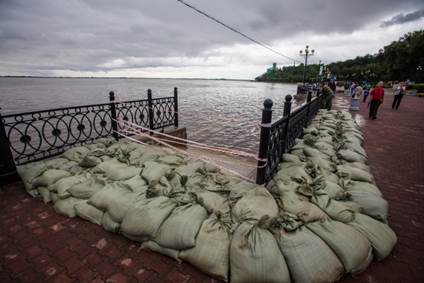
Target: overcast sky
163, 38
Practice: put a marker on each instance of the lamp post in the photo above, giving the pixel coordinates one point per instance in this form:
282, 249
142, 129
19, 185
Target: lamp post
306, 55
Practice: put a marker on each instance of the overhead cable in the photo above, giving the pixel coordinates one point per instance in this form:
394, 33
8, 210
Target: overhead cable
238, 32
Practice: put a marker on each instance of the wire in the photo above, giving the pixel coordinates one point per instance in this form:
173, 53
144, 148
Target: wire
238, 32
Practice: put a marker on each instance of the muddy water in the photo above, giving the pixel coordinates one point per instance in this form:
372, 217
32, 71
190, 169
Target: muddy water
215, 112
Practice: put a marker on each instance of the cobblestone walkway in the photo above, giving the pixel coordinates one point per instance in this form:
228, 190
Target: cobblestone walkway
38, 245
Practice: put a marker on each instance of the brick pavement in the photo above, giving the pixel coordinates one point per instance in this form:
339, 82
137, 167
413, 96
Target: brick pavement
395, 147
38, 245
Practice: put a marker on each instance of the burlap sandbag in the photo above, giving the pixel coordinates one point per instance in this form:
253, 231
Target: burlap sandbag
303, 209
66, 206
45, 194
153, 246
255, 257
102, 198
337, 210
153, 171
211, 253
179, 230
62, 186
144, 222
308, 258
50, 177
371, 204
88, 212
76, 153
213, 202
86, 188
108, 224
381, 237
350, 246
255, 204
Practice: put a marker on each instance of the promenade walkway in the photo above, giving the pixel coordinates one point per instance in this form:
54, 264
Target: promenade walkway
395, 147
38, 245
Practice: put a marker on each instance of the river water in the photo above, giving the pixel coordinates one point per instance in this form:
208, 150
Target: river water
216, 112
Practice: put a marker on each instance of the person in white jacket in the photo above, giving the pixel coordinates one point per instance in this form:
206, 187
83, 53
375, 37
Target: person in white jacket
356, 96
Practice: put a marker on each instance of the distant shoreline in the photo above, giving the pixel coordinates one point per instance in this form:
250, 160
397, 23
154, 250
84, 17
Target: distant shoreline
133, 78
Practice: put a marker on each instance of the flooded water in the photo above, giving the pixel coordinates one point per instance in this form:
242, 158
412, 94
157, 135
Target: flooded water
215, 112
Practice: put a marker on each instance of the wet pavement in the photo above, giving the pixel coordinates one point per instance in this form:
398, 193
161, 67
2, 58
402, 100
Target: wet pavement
38, 245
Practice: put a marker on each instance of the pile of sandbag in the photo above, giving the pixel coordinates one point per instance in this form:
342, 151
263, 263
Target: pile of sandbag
311, 225
325, 184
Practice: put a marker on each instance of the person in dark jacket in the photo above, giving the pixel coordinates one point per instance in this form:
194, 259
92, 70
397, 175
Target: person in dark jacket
377, 97
399, 93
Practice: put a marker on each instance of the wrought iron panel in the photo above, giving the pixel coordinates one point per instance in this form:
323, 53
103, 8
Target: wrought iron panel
41, 134
296, 125
163, 112
275, 147
136, 112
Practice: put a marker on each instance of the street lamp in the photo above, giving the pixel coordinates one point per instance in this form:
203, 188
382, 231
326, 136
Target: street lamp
306, 55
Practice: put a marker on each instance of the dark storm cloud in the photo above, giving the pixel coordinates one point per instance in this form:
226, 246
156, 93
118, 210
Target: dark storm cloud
95, 34
404, 18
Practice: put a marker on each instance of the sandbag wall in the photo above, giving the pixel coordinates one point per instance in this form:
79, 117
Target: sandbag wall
312, 225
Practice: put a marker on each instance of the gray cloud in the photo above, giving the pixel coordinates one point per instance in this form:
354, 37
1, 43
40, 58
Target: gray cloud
90, 35
404, 18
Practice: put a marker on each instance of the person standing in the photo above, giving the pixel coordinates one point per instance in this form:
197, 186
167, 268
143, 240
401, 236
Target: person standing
366, 92
399, 93
333, 87
326, 102
357, 93
377, 97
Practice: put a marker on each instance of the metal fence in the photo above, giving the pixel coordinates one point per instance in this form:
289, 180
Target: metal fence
32, 136
279, 136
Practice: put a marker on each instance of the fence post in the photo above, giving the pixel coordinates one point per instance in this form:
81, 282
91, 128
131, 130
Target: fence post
113, 114
176, 107
151, 115
7, 164
286, 112
308, 109
264, 141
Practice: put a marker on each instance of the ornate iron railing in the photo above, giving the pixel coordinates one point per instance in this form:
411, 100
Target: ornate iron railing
36, 135
279, 136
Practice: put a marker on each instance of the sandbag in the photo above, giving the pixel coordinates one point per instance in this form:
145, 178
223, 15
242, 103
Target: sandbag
137, 184
213, 202
108, 224
119, 206
115, 170
179, 230
102, 198
303, 209
255, 204
144, 222
308, 258
211, 253
354, 174
30, 171
76, 153
153, 171
350, 246
371, 204
62, 186
355, 186
335, 209
50, 177
45, 194
238, 190
297, 173
351, 156
334, 191
381, 237
255, 257
153, 246
172, 159
90, 161
66, 206
287, 157
87, 188
89, 212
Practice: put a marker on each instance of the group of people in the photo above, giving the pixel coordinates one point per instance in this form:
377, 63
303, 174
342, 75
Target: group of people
356, 91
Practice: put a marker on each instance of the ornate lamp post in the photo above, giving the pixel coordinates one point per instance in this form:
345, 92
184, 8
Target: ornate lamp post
306, 55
